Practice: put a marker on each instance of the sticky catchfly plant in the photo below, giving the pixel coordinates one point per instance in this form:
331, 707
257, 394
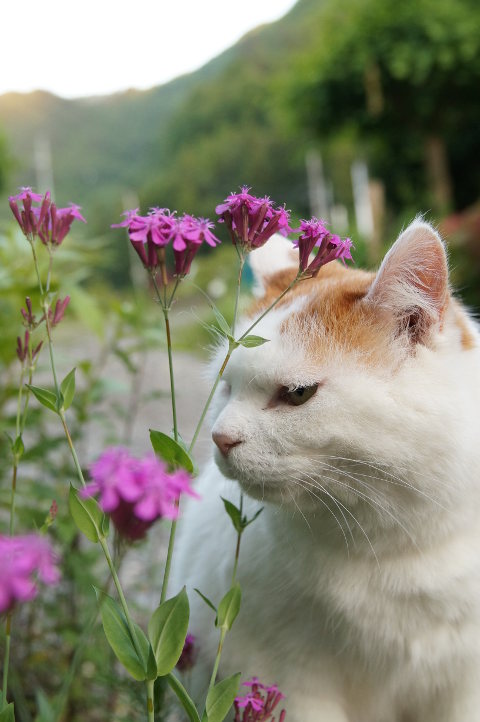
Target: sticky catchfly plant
259, 704
314, 234
24, 561
251, 221
41, 217
136, 492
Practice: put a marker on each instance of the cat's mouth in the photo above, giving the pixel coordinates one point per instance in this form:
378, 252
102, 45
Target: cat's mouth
257, 485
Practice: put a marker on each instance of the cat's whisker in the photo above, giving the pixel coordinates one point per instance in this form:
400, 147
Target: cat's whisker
337, 503
301, 512
301, 483
316, 484
371, 501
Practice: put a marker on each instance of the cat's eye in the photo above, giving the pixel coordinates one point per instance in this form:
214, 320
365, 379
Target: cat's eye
298, 396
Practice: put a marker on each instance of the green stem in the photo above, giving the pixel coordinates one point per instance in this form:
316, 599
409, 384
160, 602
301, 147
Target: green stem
150, 711
272, 305
168, 563
72, 448
35, 261
237, 294
46, 308
210, 397
223, 633
123, 601
6, 660
170, 371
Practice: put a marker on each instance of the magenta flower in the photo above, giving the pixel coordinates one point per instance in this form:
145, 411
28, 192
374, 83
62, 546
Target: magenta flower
188, 655
136, 492
55, 315
314, 234
44, 219
23, 561
259, 704
23, 348
29, 319
149, 233
190, 232
251, 221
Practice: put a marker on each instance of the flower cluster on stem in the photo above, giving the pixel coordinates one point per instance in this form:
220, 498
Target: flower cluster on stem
251, 221
259, 704
24, 560
314, 234
41, 217
136, 492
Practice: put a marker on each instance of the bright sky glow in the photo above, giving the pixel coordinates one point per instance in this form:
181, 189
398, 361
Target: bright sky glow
102, 46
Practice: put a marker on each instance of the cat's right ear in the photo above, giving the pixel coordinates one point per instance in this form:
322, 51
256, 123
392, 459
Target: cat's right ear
412, 283
271, 260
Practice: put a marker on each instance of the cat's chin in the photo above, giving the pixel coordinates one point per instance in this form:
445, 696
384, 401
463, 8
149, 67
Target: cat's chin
260, 490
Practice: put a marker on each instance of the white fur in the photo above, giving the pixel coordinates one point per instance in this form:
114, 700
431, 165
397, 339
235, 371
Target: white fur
361, 578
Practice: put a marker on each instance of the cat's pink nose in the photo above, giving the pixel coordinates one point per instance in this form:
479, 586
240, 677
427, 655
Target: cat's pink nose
225, 442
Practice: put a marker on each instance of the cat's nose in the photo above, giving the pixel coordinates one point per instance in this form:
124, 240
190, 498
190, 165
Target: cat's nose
225, 442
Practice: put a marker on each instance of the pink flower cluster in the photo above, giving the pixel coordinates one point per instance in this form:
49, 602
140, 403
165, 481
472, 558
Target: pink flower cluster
45, 220
23, 348
23, 561
153, 232
136, 492
259, 704
251, 221
314, 234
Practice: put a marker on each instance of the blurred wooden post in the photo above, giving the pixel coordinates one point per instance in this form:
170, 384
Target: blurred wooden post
369, 202
317, 187
376, 189
438, 175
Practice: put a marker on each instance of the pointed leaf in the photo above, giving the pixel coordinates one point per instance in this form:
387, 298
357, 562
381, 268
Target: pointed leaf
221, 697
46, 712
255, 516
18, 447
67, 387
234, 513
167, 630
222, 322
251, 341
206, 600
170, 450
7, 715
47, 398
183, 697
86, 514
229, 607
118, 635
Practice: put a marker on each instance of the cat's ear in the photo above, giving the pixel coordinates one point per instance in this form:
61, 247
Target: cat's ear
412, 282
275, 256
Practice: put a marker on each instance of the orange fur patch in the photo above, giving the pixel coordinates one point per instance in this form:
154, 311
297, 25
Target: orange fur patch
467, 338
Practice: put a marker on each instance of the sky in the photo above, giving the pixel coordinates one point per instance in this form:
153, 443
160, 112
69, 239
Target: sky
98, 47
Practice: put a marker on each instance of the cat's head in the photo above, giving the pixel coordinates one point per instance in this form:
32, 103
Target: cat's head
355, 396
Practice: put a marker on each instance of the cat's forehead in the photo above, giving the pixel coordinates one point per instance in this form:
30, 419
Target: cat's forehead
327, 315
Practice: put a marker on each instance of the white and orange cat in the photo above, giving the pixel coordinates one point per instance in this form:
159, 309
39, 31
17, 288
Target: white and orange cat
357, 427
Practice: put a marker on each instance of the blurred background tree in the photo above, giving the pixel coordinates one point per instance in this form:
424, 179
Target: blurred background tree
363, 111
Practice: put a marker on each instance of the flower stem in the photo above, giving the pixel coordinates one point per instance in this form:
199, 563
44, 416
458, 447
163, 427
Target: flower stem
168, 563
272, 305
35, 261
150, 710
170, 370
72, 448
237, 294
210, 397
6, 660
123, 601
223, 633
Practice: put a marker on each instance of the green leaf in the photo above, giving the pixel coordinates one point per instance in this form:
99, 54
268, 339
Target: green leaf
67, 387
167, 630
229, 607
220, 698
7, 715
46, 712
222, 322
47, 398
118, 635
255, 516
206, 600
18, 447
251, 341
170, 450
86, 514
234, 513
183, 697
